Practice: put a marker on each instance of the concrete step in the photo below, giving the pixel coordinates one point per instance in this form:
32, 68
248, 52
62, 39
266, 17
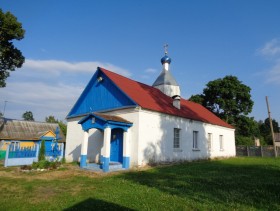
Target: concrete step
113, 166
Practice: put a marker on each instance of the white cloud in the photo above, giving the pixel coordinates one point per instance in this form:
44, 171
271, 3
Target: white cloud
58, 66
271, 48
48, 87
151, 70
273, 75
40, 98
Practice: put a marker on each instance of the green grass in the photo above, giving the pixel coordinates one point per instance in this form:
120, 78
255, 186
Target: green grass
232, 184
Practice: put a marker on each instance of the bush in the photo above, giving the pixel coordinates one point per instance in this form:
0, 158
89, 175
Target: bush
42, 151
44, 164
63, 160
243, 140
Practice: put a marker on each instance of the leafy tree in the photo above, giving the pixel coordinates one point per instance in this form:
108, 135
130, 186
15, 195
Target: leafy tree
10, 57
197, 99
227, 97
247, 129
265, 130
51, 119
28, 116
1, 114
62, 125
42, 151
247, 126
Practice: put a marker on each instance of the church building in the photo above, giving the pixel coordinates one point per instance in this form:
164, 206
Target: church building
122, 122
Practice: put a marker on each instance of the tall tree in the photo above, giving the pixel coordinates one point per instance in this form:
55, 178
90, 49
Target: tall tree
266, 131
62, 125
10, 57
28, 116
51, 119
227, 97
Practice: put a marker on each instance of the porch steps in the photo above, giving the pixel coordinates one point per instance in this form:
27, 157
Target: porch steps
113, 166
93, 167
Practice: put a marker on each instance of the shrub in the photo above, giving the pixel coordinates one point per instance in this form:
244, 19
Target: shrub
42, 151
43, 164
243, 140
63, 160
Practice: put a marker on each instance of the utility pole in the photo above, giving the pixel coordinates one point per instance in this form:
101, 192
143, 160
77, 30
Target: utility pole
271, 127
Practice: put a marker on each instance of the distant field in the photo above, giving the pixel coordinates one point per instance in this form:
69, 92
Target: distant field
231, 184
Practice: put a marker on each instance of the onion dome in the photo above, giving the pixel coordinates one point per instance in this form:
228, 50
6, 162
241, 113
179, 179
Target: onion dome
165, 59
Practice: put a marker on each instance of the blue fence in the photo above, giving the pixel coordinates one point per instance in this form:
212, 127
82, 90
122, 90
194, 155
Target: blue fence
24, 152
16, 156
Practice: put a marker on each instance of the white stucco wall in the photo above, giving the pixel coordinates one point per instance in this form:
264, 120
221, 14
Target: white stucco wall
151, 138
74, 137
157, 136
131, 115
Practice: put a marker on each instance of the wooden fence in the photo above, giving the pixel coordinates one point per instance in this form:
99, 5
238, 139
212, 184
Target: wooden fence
260, 151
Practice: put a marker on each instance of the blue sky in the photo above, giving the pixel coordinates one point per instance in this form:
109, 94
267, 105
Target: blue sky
66, 40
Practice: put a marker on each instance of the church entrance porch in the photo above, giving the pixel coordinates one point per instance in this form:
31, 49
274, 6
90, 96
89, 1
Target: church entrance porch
115, 151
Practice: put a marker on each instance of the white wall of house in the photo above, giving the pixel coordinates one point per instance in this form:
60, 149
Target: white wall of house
157, 138
75, 135
131, 115
74, 139
152, 138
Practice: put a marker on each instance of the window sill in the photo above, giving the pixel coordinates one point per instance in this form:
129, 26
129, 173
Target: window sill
177, 150
195, 149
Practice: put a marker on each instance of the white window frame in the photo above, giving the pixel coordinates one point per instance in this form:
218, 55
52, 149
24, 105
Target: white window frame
195, 140
221, 141
210, 141
176, 138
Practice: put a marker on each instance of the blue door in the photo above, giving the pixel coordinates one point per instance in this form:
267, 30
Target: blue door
116, 153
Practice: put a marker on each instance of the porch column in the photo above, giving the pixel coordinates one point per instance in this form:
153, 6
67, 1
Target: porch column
107, 146
83, 159
126, 149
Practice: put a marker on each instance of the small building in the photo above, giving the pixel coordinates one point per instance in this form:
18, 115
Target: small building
26, 134
277, 139
119, 120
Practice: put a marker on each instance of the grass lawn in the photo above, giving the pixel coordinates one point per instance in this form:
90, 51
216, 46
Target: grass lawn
231, 184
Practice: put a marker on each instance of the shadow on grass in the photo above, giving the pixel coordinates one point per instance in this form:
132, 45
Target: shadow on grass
96, 204
232, 183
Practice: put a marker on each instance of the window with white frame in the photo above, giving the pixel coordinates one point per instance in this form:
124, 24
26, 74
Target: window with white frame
195, 139
209, 139
176, 141
221, 139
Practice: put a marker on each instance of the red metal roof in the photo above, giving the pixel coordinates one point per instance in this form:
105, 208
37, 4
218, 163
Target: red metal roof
153, 99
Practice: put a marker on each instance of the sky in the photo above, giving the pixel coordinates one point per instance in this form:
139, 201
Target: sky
66, 40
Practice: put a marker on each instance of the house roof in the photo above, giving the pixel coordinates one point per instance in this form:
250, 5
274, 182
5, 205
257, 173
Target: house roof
11, 129
153, 99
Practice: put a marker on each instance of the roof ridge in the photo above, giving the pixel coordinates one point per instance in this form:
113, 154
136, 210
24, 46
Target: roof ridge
103, 69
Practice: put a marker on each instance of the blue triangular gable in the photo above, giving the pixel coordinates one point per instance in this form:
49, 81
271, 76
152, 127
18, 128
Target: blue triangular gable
100, 94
